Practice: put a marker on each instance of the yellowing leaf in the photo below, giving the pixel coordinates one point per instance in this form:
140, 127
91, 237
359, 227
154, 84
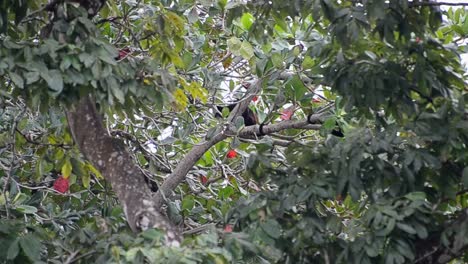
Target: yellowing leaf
175, 21
176, 59
94, 171
227, 62
197, 91
181, 99
85, 180
66, 169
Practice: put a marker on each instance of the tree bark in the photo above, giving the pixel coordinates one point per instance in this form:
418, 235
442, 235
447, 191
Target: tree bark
110, 156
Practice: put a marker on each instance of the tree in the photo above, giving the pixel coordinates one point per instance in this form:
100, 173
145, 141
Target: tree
100, 100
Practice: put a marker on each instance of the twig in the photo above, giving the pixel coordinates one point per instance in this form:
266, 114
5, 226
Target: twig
416, 4
198, 229
12, 162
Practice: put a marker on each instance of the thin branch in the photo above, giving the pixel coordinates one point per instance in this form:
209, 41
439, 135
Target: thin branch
416, 4
12, 162
184, 166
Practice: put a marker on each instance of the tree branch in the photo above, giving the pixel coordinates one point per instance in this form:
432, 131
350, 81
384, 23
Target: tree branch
187, 163
251, 132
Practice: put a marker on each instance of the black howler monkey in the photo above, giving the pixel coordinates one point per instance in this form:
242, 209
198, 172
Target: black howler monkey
250, 118
337, 132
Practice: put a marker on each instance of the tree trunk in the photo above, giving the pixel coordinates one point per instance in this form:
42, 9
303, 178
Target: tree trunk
110, 156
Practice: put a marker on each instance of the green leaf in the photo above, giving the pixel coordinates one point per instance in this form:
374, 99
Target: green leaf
330, 123
246, 50
416, 196
272, 228
308, 62
239, 122
234, 45
296, 88
31, 246
13, 249
247, 20
32, 77
226, 192
54, 80
65, 63
87, 59
26, 209
39, 169
118, 93
17, 80
106, 56
388, 228
465, 177
188, 202
407, 228
277, 60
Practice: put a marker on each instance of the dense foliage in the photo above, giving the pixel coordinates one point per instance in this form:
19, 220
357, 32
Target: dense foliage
387, 74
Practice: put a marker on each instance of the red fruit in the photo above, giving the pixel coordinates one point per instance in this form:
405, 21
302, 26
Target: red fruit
232, 153
255, 99
228, 228
203, 180
61, 185
287, 113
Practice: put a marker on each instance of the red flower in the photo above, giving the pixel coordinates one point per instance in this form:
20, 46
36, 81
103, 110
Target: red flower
203, 179
61, 184
228, 228
123, 53
255, 98
287, 113
232, 153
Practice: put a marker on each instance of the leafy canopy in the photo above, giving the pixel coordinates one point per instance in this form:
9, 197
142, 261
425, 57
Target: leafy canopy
392, 190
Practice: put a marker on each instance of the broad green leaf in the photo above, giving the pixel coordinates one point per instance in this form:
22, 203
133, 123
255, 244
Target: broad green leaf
87, 59
246, 50
272, 228
26, 209
13, 249
54, 80
17, 79
31, 246
407, 228
234, 45
32, 77
247, 20
188, 202
118, 93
